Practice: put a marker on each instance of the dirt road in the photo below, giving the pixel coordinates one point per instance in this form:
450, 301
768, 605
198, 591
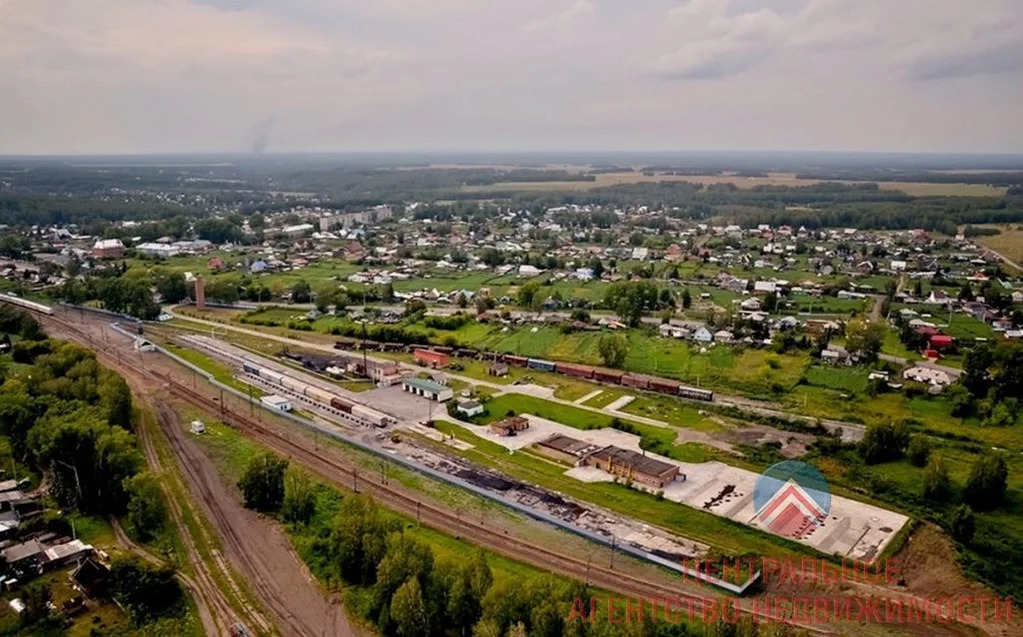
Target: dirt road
254, 543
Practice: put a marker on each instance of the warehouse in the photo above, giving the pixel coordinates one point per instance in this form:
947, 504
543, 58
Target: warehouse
566, 449
635, 466
427, 389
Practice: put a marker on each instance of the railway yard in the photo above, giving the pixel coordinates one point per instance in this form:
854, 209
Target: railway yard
160, 378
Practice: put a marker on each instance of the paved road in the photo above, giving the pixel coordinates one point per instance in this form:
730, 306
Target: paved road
850, 432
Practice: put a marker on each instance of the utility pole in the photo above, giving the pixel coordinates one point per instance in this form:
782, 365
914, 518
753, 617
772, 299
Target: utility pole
612, 552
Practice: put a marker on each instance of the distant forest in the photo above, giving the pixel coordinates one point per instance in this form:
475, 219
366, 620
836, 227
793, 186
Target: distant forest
93, 194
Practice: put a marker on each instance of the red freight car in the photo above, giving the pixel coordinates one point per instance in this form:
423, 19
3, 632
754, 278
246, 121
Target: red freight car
578, 371
608, 375
637, 381
518, 361
664, 386
341, 405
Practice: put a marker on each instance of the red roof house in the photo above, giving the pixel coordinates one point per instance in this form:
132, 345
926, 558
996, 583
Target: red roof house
941, 341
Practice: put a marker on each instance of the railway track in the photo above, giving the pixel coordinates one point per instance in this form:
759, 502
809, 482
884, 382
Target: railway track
349, 477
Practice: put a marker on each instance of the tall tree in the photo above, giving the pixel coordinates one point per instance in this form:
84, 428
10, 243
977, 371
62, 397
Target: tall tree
408, 611
262, 484
985, 488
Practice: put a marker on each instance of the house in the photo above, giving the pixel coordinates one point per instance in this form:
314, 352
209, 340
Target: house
833, 356
469, 408
751, 304
257, 266
672, 331
61, 554
216, 264
278, 403
927, 375
724, 336
765, 287
23, 555
941, 341
634, 466
703, 335
497, 369
108, 249
509, 426
938, 297
427, 389
430, 358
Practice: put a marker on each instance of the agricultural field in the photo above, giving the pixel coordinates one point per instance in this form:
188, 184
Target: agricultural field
914, 189
1009, 243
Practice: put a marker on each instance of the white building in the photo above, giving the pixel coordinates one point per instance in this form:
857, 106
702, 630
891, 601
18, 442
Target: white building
273, 401
161, 250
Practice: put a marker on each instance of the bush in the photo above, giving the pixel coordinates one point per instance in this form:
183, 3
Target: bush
962, 524
884, 442
919, 450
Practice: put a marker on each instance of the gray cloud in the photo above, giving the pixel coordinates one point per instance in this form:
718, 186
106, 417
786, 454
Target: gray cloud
1007, 58
194, 75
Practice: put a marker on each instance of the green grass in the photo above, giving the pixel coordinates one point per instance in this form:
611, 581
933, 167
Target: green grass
672, 412
606, 397
220, 372
853, 380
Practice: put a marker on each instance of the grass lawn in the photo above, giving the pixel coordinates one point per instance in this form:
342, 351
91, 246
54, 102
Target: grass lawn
853, 380
606, 397
672, 412
219, 371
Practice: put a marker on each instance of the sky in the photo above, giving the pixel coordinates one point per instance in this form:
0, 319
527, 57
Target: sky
175, 76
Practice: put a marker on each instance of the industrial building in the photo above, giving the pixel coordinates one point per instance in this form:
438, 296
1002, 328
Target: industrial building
635, 466
427, 389
566, 449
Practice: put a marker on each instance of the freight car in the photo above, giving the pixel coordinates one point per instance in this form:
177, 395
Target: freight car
294, 385
341, 405
317, 394
636, 380
664, 385
537, 363
694, 393
371, 415
271, 375
608, 375
518, 361
577, 371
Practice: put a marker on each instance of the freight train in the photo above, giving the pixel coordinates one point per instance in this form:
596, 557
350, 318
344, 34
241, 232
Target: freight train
319, 395
599, 374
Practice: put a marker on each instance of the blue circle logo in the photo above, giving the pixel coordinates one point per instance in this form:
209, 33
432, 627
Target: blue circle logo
792, 499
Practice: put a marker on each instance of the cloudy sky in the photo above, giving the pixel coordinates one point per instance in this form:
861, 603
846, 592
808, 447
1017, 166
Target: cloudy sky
136, 76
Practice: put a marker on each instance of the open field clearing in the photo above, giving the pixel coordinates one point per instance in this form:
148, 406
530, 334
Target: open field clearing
915, 189
1009, 244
